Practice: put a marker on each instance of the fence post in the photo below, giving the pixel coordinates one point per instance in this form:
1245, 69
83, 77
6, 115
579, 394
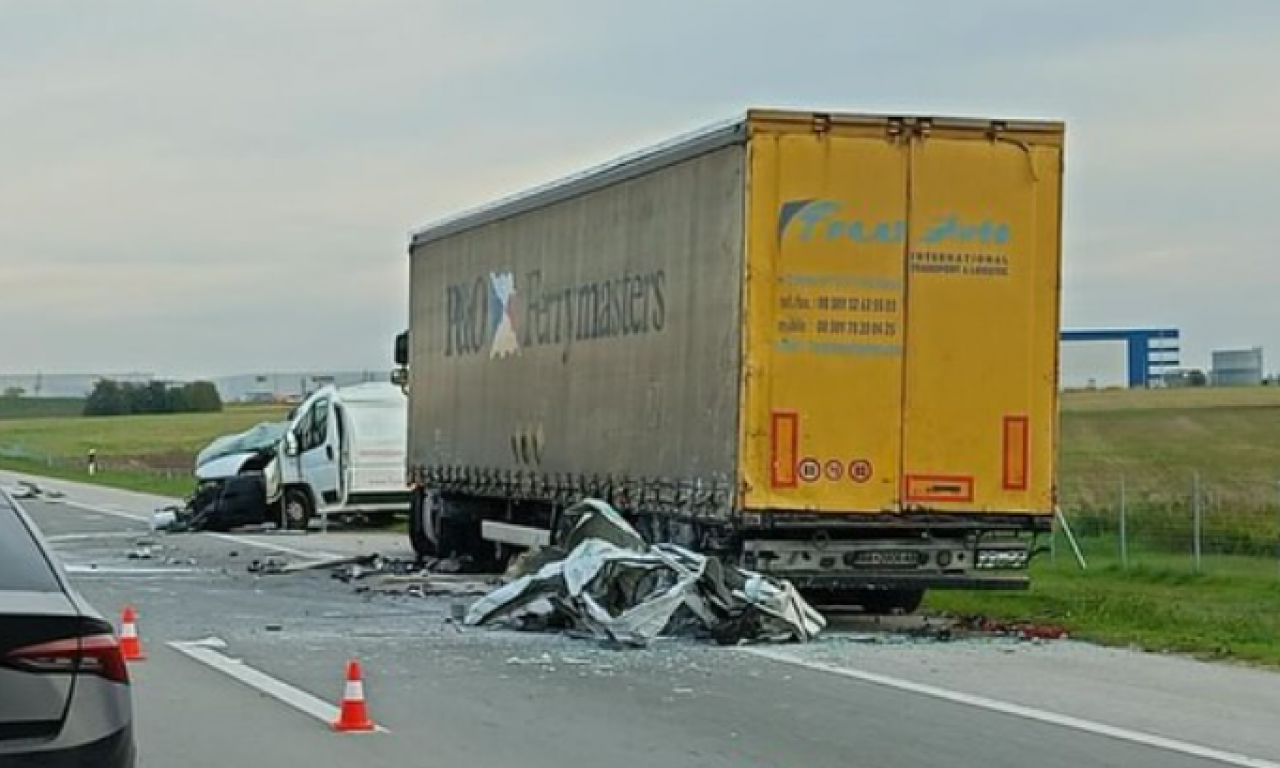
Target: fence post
1071, 539
1196, 514
1124, 526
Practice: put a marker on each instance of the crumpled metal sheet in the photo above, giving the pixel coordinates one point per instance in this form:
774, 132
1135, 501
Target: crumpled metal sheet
613, 586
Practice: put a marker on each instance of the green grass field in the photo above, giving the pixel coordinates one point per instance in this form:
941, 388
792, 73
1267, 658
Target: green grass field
1168, 434
1154, 439
148, 453
40, 407
1232, 614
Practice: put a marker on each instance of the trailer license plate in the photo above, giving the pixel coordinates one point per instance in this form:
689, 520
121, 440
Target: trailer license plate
887, 558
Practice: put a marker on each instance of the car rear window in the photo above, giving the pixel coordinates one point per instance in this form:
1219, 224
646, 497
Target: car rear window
23, 566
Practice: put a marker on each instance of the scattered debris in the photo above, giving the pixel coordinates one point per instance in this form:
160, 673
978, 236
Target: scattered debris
386, 576
1020, 630
940, 633
164, 519
376, 565
19, 492
271, 565
463, 564
543, 660
607, 583
25, 489
276, 566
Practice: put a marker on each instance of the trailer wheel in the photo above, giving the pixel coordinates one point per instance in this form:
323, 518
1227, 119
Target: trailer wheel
421, 523
882, 602
298, 509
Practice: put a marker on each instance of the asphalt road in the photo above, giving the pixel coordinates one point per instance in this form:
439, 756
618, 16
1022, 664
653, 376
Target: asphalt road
455, 696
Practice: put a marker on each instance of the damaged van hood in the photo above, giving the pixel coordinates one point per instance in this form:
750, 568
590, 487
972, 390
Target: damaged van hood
245, 444
224, 466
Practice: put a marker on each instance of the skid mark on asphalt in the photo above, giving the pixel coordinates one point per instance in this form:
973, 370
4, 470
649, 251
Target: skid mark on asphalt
260, 681
1018, 710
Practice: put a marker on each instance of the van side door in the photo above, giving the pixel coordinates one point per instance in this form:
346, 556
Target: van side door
318, 453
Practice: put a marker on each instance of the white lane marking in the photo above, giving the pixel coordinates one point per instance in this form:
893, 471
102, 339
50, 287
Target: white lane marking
105, 511
262, 682
89, 570
1018, 710
316, 555
68, 537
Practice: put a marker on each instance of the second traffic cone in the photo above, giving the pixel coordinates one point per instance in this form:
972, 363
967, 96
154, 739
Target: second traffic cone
354, 715
130, 645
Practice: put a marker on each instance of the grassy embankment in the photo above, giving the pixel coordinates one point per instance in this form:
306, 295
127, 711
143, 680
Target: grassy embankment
1156, 441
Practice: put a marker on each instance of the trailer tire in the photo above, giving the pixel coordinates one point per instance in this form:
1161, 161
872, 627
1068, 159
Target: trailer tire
420, 525
298, 509
882, 602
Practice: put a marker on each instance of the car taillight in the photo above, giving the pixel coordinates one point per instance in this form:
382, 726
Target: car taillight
91, 655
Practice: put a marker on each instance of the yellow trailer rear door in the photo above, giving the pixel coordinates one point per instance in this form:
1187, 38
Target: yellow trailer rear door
982, 322
824, 305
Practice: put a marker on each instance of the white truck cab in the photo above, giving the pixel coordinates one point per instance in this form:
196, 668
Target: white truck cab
344, 454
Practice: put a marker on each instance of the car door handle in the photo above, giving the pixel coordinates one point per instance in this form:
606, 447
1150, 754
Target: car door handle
328, 451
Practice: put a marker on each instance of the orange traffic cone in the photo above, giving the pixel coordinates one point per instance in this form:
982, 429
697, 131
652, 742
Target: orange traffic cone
130, 646
355, 714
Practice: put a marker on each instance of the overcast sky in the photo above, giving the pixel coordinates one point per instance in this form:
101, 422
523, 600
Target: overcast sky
205, 188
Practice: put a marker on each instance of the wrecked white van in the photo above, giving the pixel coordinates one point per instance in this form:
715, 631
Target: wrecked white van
340, 454
344, 454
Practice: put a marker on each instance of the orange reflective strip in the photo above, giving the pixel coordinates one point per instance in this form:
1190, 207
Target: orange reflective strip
786, 449
1017, 447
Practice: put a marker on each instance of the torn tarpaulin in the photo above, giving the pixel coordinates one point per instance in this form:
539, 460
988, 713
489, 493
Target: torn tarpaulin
615, 587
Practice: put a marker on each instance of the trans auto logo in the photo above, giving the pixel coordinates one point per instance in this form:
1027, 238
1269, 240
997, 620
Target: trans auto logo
813, 220
825, 220
483, 313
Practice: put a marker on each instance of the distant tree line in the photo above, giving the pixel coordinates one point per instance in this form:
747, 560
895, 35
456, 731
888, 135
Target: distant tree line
114, 398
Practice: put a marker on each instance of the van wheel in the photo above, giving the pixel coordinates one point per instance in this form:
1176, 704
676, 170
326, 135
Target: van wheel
298, 509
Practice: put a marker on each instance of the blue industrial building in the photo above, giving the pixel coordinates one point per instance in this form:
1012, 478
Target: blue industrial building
1150, 353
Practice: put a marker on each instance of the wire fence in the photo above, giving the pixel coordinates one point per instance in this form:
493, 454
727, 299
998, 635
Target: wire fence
1191, 522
